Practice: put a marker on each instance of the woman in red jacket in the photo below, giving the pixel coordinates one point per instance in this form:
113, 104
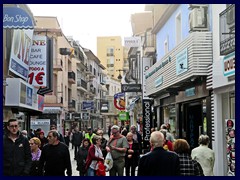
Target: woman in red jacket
94, 155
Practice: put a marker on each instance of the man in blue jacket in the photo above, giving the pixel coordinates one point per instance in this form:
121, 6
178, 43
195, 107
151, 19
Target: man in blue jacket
17, 157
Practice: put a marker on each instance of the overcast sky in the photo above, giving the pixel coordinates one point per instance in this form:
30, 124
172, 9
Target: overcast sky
85, 22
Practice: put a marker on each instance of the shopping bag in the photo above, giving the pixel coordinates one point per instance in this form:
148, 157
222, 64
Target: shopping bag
101, 169
108, 161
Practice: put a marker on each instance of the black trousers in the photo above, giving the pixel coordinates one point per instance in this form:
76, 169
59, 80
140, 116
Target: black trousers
76, 150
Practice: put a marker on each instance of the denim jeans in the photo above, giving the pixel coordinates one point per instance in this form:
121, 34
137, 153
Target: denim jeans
91, 172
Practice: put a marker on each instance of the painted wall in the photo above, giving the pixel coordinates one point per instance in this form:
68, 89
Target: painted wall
168, 31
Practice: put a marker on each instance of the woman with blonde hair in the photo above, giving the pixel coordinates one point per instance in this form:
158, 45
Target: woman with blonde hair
35, 144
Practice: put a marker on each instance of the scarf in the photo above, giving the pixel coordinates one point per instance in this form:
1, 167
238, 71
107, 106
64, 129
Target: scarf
112, 138
36, 156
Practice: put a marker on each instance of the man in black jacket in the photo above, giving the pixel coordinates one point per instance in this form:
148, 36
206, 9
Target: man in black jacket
55, 157
159, 162
17, 158
77, 140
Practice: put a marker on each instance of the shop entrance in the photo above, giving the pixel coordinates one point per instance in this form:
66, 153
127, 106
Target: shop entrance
193, 123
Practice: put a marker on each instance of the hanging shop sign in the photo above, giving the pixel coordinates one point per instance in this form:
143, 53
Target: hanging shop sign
38, 61
229, 65
131, 88
132, 41
21, 94
16, 18
119, 101
123, 116
20, 52
87, 105
104, 107
147, 122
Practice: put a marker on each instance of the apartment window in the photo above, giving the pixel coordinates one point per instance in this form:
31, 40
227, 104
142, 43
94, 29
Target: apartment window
94, 71
90, 68
110, 51
110, 62
166, 46
178, 28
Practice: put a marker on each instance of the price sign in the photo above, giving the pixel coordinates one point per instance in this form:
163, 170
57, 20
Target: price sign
38, 61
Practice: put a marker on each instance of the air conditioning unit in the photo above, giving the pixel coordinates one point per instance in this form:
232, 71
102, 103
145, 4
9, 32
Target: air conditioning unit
231, 15
197, 19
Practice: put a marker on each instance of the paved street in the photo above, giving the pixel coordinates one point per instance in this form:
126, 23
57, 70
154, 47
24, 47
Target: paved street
74, 162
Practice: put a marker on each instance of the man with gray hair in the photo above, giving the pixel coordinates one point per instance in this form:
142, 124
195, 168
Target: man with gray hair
159, 162
204, 155
117, 145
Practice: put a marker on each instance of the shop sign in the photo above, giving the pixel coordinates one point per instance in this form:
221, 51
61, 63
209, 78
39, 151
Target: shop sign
147, 122
123, 116
20, 52
161, 65
229, 65
145, 66
87, 105
104, 107
131, 88
132, 41
38, 61
15, 17
181, 62
21, 94
159, 81
190, 92
119, 101
85, 116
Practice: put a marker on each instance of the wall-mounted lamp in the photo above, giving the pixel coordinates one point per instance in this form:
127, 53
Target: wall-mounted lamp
120, 76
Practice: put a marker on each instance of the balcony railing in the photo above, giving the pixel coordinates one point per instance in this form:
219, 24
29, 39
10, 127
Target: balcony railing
71, 77
227, 30
58, 64
81, 83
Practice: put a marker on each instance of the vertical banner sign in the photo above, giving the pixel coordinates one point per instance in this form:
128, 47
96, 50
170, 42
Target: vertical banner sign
20, 52
147, 122
38, 62
230, 137
145, 67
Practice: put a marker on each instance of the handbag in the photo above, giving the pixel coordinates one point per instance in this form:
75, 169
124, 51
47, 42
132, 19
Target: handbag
101, 169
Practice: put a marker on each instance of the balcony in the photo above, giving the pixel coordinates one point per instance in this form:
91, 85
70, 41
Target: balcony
82, 85
58, 64
53, 101
71, 77
227, 30
149, 44
72, 106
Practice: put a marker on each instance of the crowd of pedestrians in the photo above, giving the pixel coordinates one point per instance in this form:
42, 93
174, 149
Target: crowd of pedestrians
36, 155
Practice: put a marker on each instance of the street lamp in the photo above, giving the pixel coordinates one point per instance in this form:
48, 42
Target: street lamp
120, 76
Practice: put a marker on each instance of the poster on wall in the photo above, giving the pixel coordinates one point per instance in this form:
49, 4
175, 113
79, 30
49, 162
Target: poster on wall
230, 137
